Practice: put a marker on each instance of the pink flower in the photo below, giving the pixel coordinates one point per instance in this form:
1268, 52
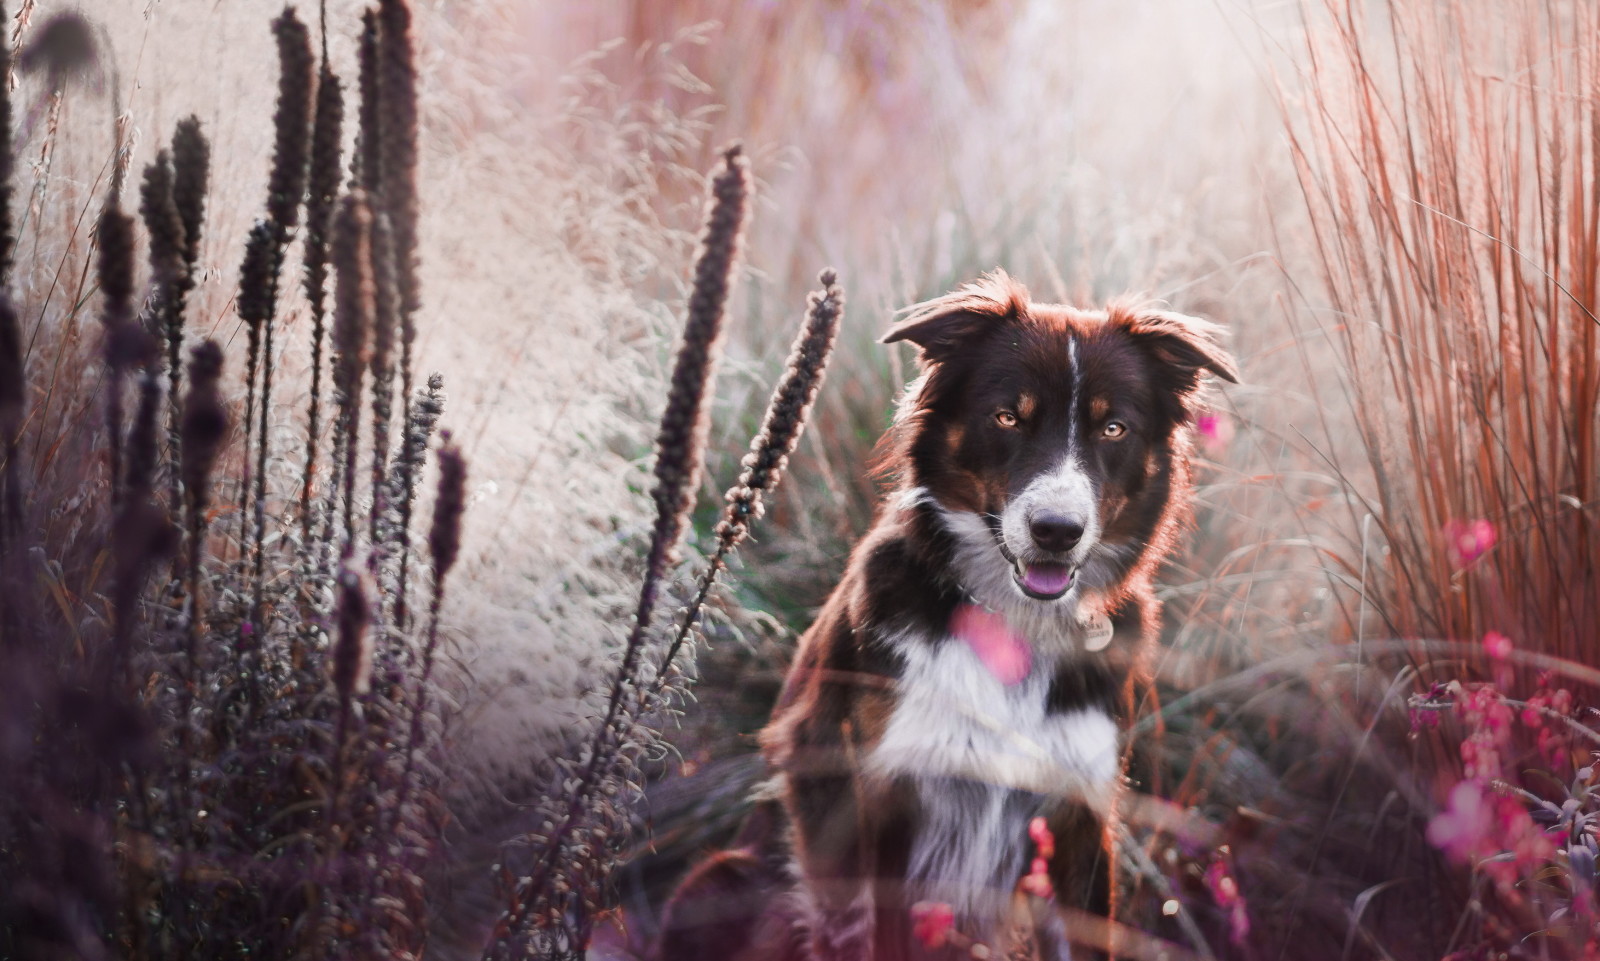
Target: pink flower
1463, 829
1039, 832
1468, 540
1215, 430
1003, 652
1037, 881
931, 922
1225, 891
1497, 645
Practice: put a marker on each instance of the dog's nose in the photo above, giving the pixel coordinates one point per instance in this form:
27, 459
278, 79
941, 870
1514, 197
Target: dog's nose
1055, 532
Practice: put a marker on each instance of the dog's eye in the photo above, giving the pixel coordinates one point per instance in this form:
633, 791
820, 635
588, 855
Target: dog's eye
1005, 418
1113, 429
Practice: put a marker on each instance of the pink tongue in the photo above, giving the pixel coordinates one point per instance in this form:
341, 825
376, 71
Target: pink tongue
1046, 578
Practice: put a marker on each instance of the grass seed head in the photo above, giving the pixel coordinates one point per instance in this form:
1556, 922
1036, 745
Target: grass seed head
191, 175
367, 166
786, 412
63, 47
352, 657
258, 275
444, 539
291, 158
115, 238
397, 83
162, 220
323, 195
205, 418
680, 443
355, 292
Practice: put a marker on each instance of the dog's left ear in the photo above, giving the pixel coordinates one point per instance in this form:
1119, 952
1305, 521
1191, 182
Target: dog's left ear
946, 325
1185, 344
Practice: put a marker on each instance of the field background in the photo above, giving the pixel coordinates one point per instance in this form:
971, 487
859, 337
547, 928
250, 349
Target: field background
1390, 206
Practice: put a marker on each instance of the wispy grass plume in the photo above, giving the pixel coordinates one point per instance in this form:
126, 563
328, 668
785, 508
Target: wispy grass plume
551, 910
780, 431
405, 474
326, 148
286, 189
352, 324
115, 238
191, 175
397, 85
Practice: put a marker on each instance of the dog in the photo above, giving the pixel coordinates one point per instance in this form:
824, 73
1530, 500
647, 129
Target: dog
975, 669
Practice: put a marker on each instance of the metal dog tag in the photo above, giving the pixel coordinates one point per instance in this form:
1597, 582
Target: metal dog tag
1097, 633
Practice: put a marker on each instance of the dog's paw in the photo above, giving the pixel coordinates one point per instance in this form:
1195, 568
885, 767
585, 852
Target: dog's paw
843, 934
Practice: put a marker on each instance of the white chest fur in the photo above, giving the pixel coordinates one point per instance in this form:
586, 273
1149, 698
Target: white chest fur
984, 757
953, 718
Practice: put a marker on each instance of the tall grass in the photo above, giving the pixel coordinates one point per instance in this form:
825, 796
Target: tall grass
246, 748
1424, 479
222, 755
1448, 162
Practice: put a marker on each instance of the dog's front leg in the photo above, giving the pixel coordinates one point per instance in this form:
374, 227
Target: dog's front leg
834, 850
1081, 874
842, 928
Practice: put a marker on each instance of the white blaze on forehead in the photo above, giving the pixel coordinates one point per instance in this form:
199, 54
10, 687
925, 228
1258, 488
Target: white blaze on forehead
1072, 408
1067, 489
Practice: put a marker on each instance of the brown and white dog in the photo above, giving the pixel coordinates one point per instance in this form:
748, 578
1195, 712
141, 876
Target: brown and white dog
977, 664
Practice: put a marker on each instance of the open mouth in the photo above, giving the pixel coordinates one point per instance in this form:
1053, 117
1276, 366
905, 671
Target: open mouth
1043, 581
1040, 580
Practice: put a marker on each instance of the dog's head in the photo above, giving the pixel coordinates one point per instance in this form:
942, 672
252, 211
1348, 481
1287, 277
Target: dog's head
1058, 429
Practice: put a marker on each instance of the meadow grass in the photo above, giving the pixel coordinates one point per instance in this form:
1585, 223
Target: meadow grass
1372, 739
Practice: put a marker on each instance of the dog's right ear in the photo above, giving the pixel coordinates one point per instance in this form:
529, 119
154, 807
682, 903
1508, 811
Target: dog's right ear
944, 325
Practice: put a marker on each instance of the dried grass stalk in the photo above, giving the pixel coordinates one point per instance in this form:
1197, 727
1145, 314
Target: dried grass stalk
397, 82
8, 239
115, 238
404, 477
1457, 214
554, 905
352, 323
780, 431
326, 147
